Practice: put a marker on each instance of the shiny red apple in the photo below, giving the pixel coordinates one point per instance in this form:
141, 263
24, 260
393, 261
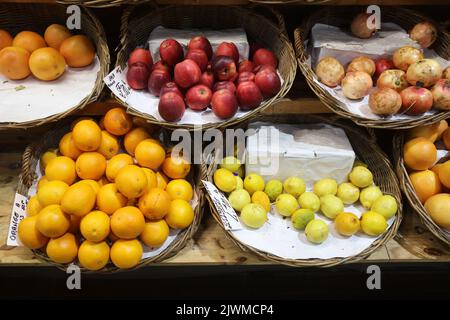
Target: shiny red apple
157, 79
137, 76
187, 73
199, 57
207, 78
170, 87
264, 57
224, 68
171, 52
202, 43
141, 55
228, 49
224, 104
246, 66
245, 76
248, 95
171, 107
227, 85
268, 82
198, 97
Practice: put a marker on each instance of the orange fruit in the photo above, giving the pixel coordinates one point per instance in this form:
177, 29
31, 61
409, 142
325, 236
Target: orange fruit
109, 146
180, 189
87, 135
61, 168
42, 181
426, 184
78, 200
127, 222
438, 207
78, 51
47, 64
150, 154
116, 163
68, 148
52, 222
444, 173
92, 183
133, 138
419, 154
176, 167
180, 214
55, 34
126, 254
46, 157
33, 206
347, 224
155, 204
52, 192
29, 41
63, 249
155, 233
151, 178
109, 199
29, 235
74, 224
446, 138
131, 181
117, 122
74, 122
95, 226
432, 132
93, 256
91, 165
5, 39
14, 63
161, 180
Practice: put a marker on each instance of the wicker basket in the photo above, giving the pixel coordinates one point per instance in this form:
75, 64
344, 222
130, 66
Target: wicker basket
37, 17
367, 151
28, 175
138, 22
340, 17
408, 190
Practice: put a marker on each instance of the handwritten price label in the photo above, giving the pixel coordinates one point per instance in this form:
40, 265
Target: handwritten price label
18, 213
227, 214
116, 83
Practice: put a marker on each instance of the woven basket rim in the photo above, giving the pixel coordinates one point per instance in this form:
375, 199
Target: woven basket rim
288, 80
28, 175
302, 32
408, 190
103, 55
316, 262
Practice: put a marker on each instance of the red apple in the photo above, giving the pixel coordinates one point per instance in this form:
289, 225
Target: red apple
246, 65
198, 97
228, 49
381, 65
157, 79
141, 55
268, 82
264, 67
263, 56
202, 43
171, 52
245, 76
207, 78
187, 73
249, 96
137, 76
224, 68
171, 107
170, 87
160, 65
416, 100
224, 104
253, 47
199, 57
227, 85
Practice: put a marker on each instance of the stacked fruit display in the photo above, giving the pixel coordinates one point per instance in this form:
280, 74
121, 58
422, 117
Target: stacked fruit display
203, 78
45, 57
431, 180
406, 84
95, 201
251, 197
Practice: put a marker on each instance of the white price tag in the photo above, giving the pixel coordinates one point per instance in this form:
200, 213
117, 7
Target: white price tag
116, 83
18, 212
227, 214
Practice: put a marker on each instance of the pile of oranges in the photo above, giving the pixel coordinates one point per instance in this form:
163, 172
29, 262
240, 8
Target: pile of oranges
45, 57
431, 180
95, 201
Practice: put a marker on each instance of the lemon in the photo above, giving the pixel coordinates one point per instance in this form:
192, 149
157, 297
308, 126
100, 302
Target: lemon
253, 215
373, 223
261, 198
286, 204
331, 206
253, 182
273, 189
348, 193
239, 183
225, 180
301, 217
324, 187
294, 186
359, 163
239, 199
316, 231
369, 195
346, 223
230, 163
361, 177
386, 206
309, 200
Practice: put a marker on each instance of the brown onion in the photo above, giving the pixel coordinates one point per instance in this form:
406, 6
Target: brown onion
356, 85
360, 28
405, 56
424, 33
424, 73
394, 79
330, 71
385, 101
362, 63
